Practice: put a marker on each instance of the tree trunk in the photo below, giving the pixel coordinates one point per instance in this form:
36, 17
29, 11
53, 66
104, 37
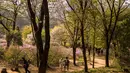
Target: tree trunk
107, 50
9, 38
89, 53
39, 45
94, 45
15, 18
37, 58
44, 58
93, 56
83, 48
74, 55
107, 56
8, 44
85, 60
42, 53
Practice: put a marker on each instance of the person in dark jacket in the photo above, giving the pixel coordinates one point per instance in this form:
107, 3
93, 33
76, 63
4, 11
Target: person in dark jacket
26, 65
66, 66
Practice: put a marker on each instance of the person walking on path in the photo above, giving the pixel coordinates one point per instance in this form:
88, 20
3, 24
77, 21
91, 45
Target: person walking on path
66, 66
26, 65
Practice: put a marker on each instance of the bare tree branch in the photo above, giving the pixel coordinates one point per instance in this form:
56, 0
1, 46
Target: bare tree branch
111, 13
6, 17
32, 15
41, 17
103, 13
4, 26
73, 9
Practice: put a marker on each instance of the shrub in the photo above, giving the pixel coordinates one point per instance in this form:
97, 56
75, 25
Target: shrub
30, 54
1, 52
13, 55
56, 52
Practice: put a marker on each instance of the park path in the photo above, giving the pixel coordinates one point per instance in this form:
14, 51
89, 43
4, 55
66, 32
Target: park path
98, 63
8, 70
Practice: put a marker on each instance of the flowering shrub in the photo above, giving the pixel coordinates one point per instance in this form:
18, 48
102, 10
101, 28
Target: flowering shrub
56, 53
13, 55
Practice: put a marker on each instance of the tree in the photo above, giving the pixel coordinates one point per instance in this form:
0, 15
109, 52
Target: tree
59, 35
37, 29
79, 7
93, 12
120, 42
72, 26
9, 15
110, 11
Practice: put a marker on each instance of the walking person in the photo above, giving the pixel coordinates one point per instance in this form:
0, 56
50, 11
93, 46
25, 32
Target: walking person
26, 65
61, 63
66, 66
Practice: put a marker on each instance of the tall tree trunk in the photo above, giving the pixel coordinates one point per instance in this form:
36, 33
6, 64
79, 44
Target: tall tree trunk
107, 50
107, 56
37, 53
89, 53
93, 57
94, 46
8, 44
37, 58
39, 45
44, 58
74, 55
42, 52
83, 48
85, 60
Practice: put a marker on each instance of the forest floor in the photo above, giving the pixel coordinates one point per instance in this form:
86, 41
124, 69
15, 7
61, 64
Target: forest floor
99, 62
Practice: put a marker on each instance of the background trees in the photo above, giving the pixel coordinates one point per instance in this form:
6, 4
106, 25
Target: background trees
85, 24
9, 15
72, 26
111, 12
80, 11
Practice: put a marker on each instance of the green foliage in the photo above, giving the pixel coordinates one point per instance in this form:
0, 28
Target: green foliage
43, 35
99, 38
1, 52
101, 70
1, 30
25, 31
105, 70
28, 30
30, 54
17, 38
13, 55
9, 35
122, 40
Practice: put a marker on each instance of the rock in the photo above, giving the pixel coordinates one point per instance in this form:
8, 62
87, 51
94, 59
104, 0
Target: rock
15, 69
126, 70
4, 70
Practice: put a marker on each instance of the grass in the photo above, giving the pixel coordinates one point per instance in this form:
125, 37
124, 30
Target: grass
102, 70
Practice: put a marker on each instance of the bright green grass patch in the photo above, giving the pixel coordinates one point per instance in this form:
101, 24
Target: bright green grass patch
102, 70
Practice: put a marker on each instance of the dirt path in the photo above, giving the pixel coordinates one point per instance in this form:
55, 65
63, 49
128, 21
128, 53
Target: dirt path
8, 70
98, 63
